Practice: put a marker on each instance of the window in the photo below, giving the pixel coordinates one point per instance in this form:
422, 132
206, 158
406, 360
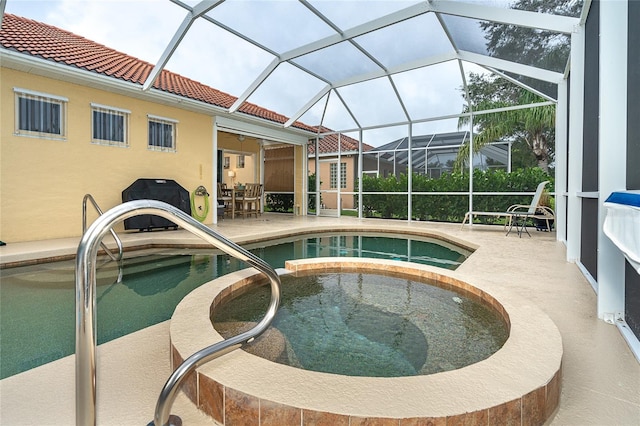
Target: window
40, 115
109, 126
333, 175
343, 175
162, 134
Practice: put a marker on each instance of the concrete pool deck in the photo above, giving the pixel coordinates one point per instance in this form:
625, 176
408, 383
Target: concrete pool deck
600, 375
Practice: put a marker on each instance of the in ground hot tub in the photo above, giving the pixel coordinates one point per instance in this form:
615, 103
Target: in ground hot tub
520, 382
365, 323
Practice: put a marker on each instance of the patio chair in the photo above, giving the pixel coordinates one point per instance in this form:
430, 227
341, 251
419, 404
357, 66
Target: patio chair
541, 214
224, 197
248, 202
520, 211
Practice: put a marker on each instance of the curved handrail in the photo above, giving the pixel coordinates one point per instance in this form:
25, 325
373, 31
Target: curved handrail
89, 197
86, 301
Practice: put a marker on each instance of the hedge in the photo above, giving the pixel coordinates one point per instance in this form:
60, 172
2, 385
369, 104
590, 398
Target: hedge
450, 208
440, 208
283, 203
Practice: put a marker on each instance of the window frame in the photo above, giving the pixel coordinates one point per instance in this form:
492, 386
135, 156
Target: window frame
335, 176
164, 121
113, 111
42, 98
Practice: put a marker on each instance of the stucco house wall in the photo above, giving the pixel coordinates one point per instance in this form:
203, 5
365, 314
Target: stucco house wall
44, 180
329, 196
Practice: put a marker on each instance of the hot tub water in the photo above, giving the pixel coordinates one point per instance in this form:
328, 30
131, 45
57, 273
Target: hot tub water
367, 324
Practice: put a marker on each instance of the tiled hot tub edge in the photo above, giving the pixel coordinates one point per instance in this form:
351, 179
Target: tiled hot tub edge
229, 404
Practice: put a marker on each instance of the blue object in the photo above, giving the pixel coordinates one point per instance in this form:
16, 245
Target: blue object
622, 224
626, 198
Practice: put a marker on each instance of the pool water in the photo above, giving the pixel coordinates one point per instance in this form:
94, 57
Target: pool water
365, 324
37, 303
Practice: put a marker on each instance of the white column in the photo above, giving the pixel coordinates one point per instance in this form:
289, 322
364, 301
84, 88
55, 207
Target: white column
339, 177
410, 172
561, 162
471, 168
360, 168
612, 139
576, 118
214, 183
305, 181
317, 166
260, 165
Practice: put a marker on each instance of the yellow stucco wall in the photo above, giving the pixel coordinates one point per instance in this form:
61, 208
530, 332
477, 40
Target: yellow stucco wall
43, 181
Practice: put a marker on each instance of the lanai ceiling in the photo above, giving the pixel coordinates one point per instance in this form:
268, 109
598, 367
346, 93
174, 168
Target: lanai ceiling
360, 64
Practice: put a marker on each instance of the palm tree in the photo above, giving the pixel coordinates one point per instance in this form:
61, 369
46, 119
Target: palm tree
534, 126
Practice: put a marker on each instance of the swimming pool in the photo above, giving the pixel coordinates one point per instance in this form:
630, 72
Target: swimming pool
37, 308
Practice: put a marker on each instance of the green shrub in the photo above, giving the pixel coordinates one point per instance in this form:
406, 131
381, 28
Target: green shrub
311, 202
279, 203
450, 208
283, 203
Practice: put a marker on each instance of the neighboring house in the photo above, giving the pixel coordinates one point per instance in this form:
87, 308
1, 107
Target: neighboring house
75, 120
433, 155
338, 169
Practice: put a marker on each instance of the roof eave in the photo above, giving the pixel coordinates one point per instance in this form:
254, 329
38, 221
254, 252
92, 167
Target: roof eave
47, 68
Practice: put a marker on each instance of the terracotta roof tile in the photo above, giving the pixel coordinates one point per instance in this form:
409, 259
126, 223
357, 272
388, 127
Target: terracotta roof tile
54, 44
329, 144
51, 43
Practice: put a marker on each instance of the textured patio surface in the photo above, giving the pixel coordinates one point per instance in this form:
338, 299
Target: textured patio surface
601, 377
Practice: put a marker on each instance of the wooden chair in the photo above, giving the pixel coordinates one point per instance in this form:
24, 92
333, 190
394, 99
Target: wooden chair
249, 202
224, 196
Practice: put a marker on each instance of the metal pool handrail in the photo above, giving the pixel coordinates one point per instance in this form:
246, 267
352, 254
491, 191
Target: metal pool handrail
89, 197
86, 305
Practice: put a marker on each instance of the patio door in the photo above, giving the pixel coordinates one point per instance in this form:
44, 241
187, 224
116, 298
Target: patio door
332, 180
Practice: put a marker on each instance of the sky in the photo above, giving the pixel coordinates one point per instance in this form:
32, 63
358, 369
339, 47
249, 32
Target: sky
213, 56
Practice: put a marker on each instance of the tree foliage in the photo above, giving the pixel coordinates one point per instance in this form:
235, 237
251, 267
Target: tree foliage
530, 46
531, 127
531, 130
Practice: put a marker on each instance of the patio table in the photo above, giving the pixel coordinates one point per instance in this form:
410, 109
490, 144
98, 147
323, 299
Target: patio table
520, 221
